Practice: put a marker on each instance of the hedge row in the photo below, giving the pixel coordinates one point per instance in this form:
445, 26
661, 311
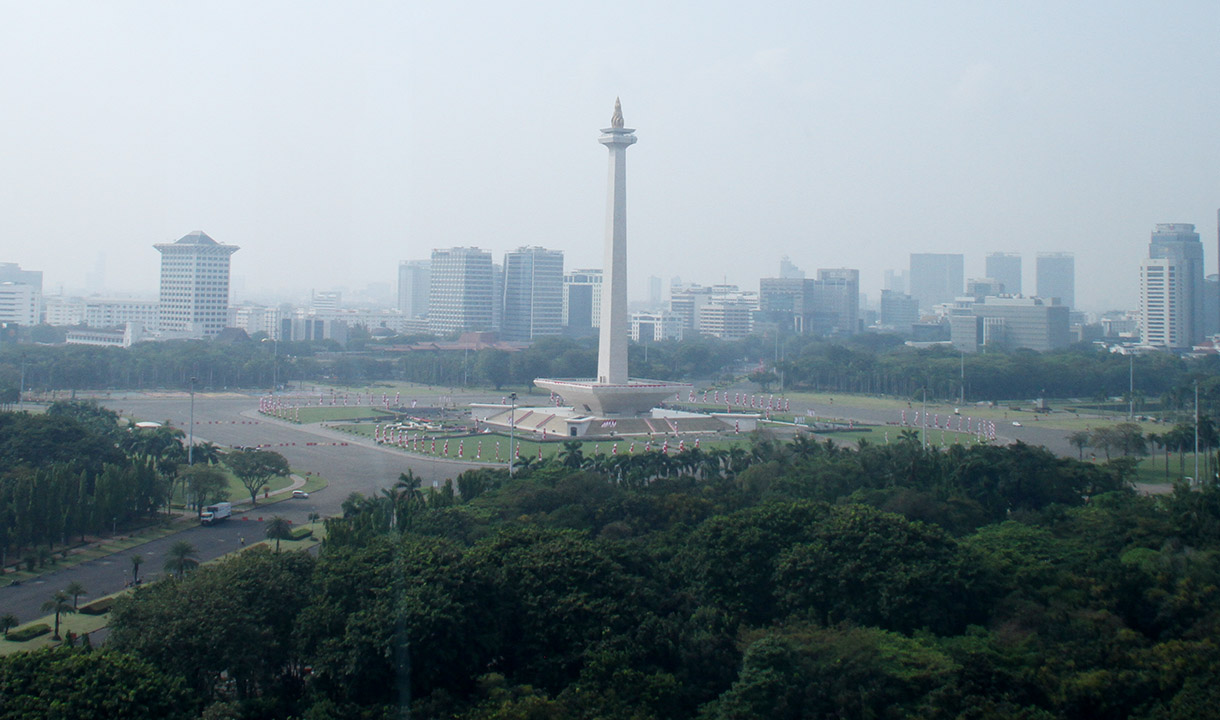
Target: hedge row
29, 633
301, 533
98, 607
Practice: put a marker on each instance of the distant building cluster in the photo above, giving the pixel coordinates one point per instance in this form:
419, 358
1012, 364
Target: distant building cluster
529, 294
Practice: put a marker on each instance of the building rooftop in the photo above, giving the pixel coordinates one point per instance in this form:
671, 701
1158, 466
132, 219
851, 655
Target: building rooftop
198, 237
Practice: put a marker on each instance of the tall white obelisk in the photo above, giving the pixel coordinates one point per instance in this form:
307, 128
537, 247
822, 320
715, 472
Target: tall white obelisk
612, 393
612, 342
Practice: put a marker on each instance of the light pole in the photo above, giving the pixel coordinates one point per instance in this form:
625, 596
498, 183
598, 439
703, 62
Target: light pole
1131, 389
512, 426
190, 447
924, 430
961, 398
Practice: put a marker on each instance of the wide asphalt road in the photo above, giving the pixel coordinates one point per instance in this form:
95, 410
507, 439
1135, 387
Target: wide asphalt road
112, 573
349, 463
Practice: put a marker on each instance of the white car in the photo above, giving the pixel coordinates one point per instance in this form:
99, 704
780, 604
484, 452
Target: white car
300, 494
1016, 424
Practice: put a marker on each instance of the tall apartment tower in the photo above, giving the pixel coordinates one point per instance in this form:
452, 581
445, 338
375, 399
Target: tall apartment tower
936, 278
1057, 277
533, 293
461, 293
1005, 268
1178, 245
194, 286
414, 284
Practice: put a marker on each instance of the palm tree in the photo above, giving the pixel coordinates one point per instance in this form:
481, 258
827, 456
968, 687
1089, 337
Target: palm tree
136, 561
59, 605
8, 621
572, 455
75, 589
206, 453
278, 529
181, 558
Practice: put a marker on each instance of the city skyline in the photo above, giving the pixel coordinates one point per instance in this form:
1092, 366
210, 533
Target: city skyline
331, 143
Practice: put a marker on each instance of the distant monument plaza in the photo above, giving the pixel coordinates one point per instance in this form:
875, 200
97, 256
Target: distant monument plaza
611, 403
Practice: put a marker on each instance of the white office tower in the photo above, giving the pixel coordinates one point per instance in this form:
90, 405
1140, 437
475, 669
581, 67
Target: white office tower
1163, 298
533, 294
194, 286
461, 297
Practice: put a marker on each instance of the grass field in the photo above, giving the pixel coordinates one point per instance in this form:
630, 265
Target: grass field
237, 492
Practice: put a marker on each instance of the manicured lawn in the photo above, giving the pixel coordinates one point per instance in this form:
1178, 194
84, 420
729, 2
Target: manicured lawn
237, 492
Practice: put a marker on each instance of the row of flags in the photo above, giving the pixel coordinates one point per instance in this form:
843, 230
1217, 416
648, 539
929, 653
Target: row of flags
984, 429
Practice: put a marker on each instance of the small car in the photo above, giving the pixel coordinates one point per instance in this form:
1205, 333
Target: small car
300, 494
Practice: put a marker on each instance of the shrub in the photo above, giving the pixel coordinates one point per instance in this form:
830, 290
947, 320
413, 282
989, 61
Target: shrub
98, 607
29, 633
301, 533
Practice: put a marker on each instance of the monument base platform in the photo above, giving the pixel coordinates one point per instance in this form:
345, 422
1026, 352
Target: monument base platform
629, 399
550, 422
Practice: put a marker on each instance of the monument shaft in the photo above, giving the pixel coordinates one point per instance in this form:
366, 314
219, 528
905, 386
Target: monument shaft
613, 338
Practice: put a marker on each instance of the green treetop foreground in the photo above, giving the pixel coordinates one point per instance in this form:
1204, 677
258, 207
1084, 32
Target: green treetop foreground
798, 580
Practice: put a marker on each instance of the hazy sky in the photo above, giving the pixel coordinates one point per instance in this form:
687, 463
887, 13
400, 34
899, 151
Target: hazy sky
331, 140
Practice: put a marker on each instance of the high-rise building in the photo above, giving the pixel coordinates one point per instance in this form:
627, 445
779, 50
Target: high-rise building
1057, 277
1162, 300
194, 286
533, 293
582, 301
895, 280
654, 292
1005, 268
414, 281
936, 278
899, 311
1179, 244
836, 302
461, 294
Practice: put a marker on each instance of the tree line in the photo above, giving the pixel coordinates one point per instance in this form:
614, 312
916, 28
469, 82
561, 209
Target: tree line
791, 579
76, 471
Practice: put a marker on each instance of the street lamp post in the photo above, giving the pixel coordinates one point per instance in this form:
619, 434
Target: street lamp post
512, 426
190, 447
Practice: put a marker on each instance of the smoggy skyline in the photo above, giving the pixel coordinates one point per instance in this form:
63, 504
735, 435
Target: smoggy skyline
332, 141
